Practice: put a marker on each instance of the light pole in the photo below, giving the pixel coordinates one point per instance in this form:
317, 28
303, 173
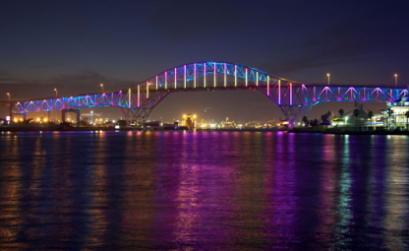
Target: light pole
102, 86
10, 115
396, 79
56, 92
329, 78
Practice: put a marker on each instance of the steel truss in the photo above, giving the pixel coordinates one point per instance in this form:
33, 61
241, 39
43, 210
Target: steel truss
137, 102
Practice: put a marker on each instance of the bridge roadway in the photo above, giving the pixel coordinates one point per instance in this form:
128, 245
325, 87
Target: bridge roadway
137, 102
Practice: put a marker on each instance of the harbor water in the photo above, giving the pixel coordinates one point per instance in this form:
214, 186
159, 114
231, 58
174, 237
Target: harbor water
203, 191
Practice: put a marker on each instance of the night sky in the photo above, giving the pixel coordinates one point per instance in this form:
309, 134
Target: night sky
75, 45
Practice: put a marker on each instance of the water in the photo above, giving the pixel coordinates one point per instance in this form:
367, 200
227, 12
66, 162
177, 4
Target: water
203, 191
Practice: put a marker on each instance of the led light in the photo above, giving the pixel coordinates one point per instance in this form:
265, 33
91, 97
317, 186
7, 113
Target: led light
291, 93
214, 73
157, 83
176, 81
139, 96
204, 75
225, 74
166, 80
184, 76
235, 75
246, 76
194, 75
268, 85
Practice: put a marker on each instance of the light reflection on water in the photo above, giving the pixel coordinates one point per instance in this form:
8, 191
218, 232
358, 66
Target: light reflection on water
203, 191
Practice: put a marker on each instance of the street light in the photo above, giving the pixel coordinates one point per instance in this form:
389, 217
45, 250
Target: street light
396, 80
329, 77
56, 92
102, 86
8, 94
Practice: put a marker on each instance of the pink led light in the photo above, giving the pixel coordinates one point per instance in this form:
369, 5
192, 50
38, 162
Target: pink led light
291, 93
139, 96
268, 85
184, 76
157, 82
166, 80
315, 94
129, 97
225, 74
279, 92
176, 82
235, 75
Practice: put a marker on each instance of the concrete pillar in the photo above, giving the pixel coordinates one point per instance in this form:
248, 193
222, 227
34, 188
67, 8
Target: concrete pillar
76, 111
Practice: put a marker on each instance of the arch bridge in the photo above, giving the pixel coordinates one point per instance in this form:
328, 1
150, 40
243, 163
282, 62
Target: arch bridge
138, 101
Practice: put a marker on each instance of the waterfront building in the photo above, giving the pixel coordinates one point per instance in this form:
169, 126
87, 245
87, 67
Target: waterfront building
396, 113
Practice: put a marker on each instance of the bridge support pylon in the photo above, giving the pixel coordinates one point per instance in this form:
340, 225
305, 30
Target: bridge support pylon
76, 111
292, 113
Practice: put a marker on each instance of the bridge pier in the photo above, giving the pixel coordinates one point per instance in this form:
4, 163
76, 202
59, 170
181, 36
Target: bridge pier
293, 112
76, 111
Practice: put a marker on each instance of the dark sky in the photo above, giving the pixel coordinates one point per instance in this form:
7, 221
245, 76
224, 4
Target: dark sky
75, 45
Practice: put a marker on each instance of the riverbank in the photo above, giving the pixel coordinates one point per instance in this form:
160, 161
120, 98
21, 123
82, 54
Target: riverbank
347, 132
93, 128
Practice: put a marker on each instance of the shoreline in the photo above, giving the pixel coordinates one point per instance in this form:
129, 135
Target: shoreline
348, 132
108, 129
80, 129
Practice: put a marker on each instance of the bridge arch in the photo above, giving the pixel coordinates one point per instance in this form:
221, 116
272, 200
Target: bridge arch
213, 75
